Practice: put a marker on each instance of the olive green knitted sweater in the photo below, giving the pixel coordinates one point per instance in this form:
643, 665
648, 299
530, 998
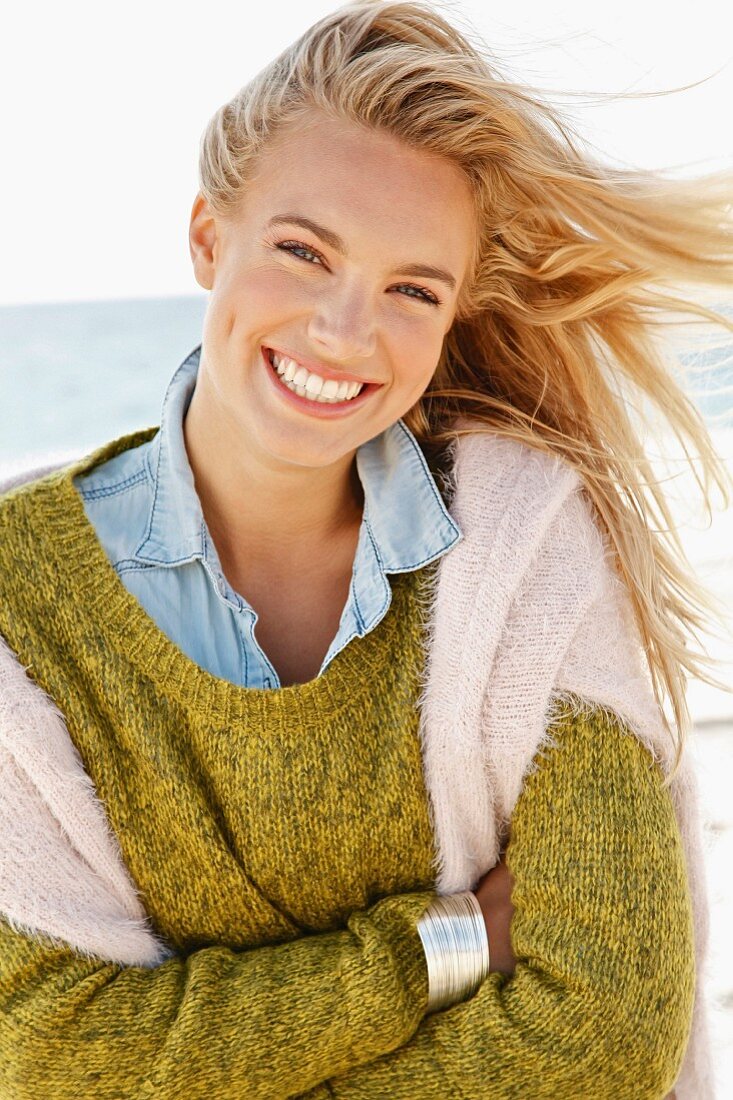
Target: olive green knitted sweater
281, 842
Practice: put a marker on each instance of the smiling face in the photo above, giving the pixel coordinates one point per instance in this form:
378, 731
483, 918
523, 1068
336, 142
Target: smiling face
365, 288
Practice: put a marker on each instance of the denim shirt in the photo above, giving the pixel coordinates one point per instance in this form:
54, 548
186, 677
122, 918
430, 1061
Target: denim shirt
147, 515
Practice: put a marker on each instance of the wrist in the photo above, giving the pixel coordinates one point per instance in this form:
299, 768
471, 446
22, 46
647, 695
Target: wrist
453, 934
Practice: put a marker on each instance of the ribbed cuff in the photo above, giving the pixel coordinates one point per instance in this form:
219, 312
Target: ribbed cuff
396, 917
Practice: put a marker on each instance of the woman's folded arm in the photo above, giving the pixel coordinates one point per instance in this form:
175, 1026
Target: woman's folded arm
600, 1003
272, 1021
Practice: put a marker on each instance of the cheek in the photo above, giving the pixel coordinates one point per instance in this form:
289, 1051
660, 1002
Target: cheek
261, 289
417, 355
424, 378
246, 306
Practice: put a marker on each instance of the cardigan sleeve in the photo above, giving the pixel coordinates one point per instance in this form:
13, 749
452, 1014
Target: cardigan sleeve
268, 1022
600, 1002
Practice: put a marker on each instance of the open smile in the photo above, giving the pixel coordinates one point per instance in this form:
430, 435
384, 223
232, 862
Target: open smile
321, 397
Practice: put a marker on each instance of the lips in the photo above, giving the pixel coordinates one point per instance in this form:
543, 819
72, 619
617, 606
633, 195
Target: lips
318, 409
318, 368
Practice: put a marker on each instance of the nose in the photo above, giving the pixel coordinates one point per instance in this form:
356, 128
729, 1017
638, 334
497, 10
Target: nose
343, 324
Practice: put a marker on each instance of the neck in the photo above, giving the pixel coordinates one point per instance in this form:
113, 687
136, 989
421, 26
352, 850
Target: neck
261, 514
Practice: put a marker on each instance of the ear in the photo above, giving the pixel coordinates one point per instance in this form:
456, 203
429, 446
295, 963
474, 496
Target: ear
202, 241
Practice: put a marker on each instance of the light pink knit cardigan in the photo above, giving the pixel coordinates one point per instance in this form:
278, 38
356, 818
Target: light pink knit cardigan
526, 608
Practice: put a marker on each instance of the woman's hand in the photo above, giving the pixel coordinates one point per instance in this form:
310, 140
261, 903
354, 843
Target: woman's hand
494, 893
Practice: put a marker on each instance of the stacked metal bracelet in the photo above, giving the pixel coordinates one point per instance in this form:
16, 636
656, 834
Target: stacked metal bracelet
453, 933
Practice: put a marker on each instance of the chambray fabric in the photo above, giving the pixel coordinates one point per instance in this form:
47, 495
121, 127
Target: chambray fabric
148, 517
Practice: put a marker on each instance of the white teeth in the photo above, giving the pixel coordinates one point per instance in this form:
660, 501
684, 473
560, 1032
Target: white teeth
313, 384
308, 384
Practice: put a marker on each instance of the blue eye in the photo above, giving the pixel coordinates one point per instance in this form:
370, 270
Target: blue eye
288, 246
294, 247
424, 294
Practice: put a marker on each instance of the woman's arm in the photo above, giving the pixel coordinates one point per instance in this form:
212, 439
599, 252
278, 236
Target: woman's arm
273, 1021
600, 1004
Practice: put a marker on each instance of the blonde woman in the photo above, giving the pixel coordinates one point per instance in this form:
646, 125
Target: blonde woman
333, 743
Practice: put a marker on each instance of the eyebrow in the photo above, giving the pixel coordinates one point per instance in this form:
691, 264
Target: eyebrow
423, 271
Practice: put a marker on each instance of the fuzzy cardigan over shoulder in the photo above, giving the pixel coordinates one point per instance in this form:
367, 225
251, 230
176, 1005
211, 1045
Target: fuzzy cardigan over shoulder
526, 610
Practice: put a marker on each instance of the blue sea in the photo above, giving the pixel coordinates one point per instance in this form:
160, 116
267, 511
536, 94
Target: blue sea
74, 375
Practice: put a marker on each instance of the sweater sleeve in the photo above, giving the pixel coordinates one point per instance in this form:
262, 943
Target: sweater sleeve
272, 1021
600, 1002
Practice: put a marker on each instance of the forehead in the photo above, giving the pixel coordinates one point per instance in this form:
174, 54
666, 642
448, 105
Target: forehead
369, 187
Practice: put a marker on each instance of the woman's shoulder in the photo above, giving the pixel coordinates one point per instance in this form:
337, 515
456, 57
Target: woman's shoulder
480, 442
517, 504
24, 475
494, 475
44, 534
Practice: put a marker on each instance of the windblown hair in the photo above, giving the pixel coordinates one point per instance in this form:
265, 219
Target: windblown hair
554, 337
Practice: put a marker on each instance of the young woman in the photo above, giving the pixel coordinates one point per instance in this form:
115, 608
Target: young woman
332, 738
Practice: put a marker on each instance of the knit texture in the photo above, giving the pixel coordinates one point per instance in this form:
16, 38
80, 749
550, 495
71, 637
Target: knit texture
529, 612
281, 843
599, 1006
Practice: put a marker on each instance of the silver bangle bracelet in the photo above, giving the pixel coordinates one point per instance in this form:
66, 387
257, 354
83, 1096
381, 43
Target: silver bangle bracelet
453, 934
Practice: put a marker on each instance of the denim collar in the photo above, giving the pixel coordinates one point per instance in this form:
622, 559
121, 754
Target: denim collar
405, 524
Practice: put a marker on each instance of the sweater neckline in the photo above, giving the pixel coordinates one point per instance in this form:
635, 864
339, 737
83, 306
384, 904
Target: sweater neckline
127, 625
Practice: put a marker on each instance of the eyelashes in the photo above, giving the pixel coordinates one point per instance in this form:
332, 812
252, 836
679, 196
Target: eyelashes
293, 247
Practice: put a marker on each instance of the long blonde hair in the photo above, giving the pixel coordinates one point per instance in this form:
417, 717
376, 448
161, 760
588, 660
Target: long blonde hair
554, 337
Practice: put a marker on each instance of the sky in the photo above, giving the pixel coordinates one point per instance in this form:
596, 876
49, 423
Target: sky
103, 107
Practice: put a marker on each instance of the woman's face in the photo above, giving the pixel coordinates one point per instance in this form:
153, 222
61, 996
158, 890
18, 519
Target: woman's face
340, 298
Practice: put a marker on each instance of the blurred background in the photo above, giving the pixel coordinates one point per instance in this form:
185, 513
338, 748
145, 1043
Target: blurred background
102, 113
